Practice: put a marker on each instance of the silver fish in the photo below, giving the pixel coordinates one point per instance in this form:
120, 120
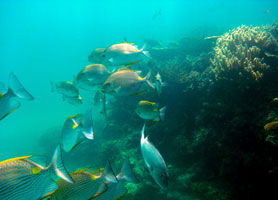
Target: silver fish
154, 161
91, 76
150, 111
66, 88
123, 54
125, 83
76, 130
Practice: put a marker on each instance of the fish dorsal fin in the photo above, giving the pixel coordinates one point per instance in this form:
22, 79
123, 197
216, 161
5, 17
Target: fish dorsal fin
97, 171
124, 68
79, 171
14, 159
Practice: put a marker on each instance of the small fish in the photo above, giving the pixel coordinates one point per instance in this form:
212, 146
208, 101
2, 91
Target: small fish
154, 161
76, 130
149, 111
159, 84
267, 11
156, 14
66, 88
9, 100
91, 76
123, 54
96, 56
73, 100
21, 178
125, 83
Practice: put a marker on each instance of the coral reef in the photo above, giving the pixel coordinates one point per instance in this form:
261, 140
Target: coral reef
241, 51
272, 126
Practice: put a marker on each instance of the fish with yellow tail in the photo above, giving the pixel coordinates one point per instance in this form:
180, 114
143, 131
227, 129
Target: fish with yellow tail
150, 111
123, 54
76, 130
21, 178
9, 100
125, 83
154, 161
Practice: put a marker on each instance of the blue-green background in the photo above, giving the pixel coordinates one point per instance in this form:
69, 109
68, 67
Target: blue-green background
51, 40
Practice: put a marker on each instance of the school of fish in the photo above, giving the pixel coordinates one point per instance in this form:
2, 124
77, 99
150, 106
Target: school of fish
110, 73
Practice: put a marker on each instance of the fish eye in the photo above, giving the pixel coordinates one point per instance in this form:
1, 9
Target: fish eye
103, 55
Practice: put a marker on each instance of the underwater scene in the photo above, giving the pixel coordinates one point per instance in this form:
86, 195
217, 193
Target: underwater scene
149, 99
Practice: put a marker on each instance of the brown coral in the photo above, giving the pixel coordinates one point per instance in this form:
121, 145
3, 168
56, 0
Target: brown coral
241, 49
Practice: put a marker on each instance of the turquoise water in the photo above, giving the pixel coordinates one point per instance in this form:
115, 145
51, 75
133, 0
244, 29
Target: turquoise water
43, 41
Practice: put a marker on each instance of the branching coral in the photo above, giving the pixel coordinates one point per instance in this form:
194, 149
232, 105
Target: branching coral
241, 50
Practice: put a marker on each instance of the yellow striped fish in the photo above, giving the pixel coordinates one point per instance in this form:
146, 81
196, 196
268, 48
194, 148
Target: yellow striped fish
21, 178
86, 184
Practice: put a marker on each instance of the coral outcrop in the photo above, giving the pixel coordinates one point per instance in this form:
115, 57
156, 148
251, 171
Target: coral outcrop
242, 51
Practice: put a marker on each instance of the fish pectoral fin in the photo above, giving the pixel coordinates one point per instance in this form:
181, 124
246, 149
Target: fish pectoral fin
137, 93
116, 90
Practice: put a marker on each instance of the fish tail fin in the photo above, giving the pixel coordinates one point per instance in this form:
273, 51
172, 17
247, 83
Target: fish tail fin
17, 89
88, 125
147, 81
142, 133
52, 86
57, 166
127, 173
108, 173
162, 113
145, 53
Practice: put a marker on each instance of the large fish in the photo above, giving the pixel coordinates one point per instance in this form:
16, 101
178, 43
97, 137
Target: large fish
125, 83
154, 161
9, 100
123, 54
76, 130
21, 178
91, 76
150, 111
